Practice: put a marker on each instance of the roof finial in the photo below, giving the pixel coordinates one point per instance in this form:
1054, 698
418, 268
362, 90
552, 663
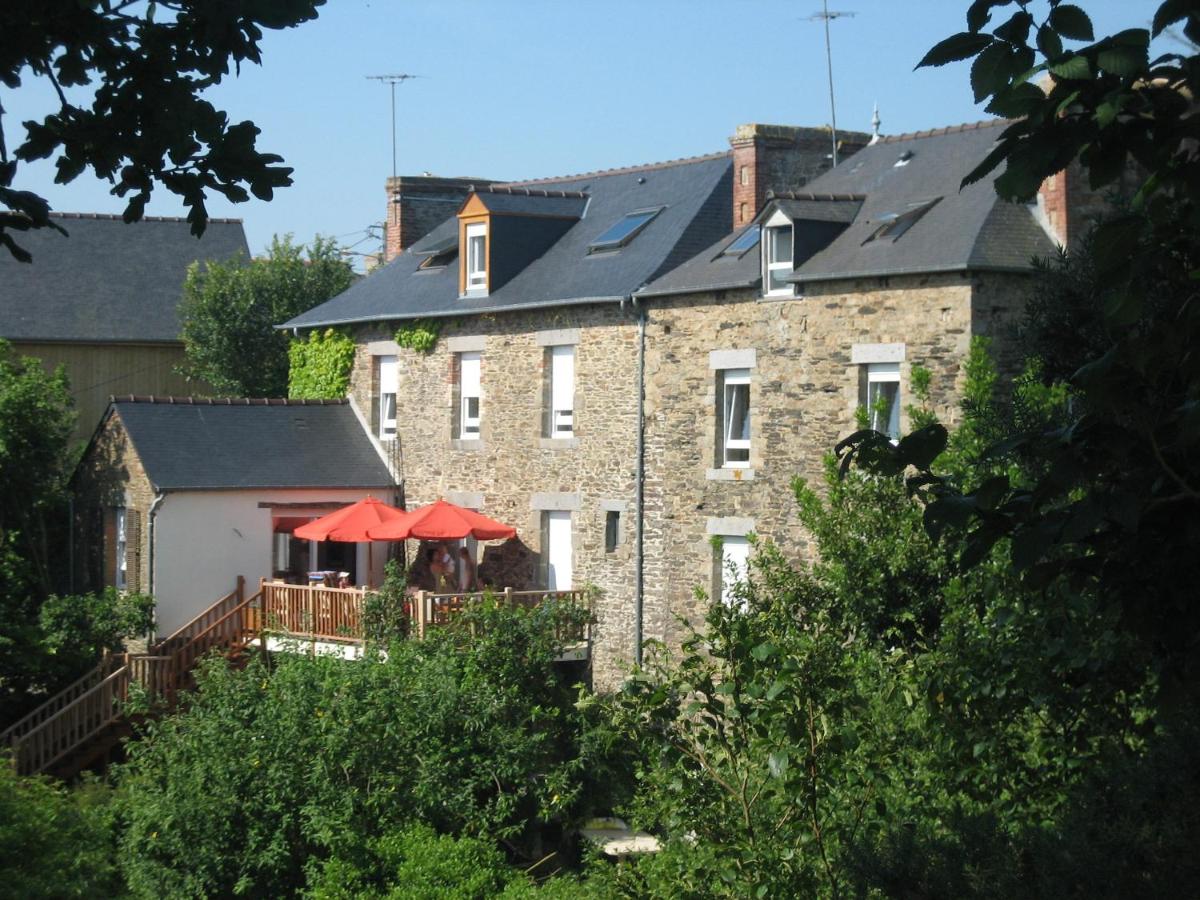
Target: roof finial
875, 123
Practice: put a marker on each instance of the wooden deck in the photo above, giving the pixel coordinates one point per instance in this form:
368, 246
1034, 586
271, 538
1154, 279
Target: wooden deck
56, 735
336, 614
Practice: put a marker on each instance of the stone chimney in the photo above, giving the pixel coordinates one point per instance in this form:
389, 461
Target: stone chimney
781, 158
417, 204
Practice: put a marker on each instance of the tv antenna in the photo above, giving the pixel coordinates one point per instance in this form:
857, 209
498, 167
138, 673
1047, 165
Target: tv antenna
825, 15
393, 80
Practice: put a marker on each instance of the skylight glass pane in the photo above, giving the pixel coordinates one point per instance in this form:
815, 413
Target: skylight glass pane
744, 242
623, 231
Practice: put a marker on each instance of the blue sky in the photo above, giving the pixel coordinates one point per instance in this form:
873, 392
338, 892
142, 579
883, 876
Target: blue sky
516, 90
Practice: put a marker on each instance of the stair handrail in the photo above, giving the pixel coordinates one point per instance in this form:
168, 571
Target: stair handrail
234, 596
178, 654
116, 685
50, 707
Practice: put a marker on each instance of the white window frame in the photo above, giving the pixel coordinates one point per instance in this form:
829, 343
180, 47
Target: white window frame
778, 222
389, 384
739, 561
470, 387
562, 391
733, 379
477, 276
120, 570
884, 373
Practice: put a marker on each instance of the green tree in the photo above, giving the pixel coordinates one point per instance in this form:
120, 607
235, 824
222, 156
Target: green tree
144, 122
230, 310
1113, 500
269, 772
56, 843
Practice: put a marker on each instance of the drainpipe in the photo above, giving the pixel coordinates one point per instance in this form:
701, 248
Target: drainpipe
639, 566
157, 502
71, 544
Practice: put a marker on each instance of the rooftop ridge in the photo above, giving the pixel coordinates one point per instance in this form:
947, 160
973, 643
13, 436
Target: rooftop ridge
808, 195
119, 218
625, 170
946, 129
529, 192
223, 401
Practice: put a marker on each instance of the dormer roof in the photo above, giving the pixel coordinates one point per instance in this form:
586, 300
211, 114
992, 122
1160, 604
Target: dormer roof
912, 179
694, 198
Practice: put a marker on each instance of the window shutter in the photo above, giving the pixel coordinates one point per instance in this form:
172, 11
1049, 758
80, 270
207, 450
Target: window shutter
133, 550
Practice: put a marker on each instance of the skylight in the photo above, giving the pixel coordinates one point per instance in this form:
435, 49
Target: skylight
744, 241
893, 225
440, 259
624, 231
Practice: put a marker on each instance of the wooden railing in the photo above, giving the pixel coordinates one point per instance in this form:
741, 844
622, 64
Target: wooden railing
313, 613
335, 614
61, 700
85, 709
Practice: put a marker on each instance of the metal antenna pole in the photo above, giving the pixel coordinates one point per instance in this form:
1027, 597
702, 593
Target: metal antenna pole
825, 15
392, 81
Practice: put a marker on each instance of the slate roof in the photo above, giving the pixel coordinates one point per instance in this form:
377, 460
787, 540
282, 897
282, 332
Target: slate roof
187, 444
530, 202
971, 229
108, 281
695, 193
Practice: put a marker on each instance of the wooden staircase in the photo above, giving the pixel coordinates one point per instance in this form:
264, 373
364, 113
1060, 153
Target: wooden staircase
86, 722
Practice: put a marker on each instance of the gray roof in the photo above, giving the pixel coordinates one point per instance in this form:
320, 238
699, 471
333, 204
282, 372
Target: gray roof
187, 444
968, 229
696, 196
107, 281
533, 202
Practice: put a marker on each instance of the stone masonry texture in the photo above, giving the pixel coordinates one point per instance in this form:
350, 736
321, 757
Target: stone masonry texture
803, 396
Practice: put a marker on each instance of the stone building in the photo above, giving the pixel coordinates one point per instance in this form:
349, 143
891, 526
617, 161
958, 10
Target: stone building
528, 406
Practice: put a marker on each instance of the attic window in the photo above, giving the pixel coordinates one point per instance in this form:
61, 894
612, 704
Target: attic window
439, 260
477, 257
904, 159
893, 225
624, 231
744, 242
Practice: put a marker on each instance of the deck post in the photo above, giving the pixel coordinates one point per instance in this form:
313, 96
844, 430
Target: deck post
508, 597
420, 611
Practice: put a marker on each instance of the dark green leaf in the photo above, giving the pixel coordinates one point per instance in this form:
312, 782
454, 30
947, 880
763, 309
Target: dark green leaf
1073, 67
1071, 22
959, 46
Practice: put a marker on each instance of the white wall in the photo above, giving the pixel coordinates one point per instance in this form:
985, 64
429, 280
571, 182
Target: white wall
203, 540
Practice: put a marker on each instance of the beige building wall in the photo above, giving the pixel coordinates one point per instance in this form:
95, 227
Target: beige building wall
102, 370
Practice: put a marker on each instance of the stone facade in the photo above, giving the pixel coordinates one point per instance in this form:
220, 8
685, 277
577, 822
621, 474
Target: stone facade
109, 477
803, 395
804, 391
514, 469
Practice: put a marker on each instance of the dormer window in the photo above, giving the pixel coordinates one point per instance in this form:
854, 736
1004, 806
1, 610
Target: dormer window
777, 256
476, 257
624, 231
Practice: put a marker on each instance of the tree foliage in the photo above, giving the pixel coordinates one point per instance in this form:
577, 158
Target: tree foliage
1112, 502
142, 70
230, 310
269, 772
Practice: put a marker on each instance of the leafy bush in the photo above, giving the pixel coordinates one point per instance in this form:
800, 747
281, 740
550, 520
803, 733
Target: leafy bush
77, 630
386, 618
270, 772
56, 843
421, 335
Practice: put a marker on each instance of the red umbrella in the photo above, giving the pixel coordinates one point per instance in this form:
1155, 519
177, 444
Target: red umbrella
350, 523
441, 521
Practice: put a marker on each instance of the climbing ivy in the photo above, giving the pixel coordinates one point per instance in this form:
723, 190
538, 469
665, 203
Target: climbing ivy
319, 368
420, 335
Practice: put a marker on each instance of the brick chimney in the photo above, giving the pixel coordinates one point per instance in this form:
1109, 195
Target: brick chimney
781, 158
1067, 205
417, 204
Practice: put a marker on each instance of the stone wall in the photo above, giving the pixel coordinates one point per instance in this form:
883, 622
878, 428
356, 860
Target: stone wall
110, 476
513, 467
803, 396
